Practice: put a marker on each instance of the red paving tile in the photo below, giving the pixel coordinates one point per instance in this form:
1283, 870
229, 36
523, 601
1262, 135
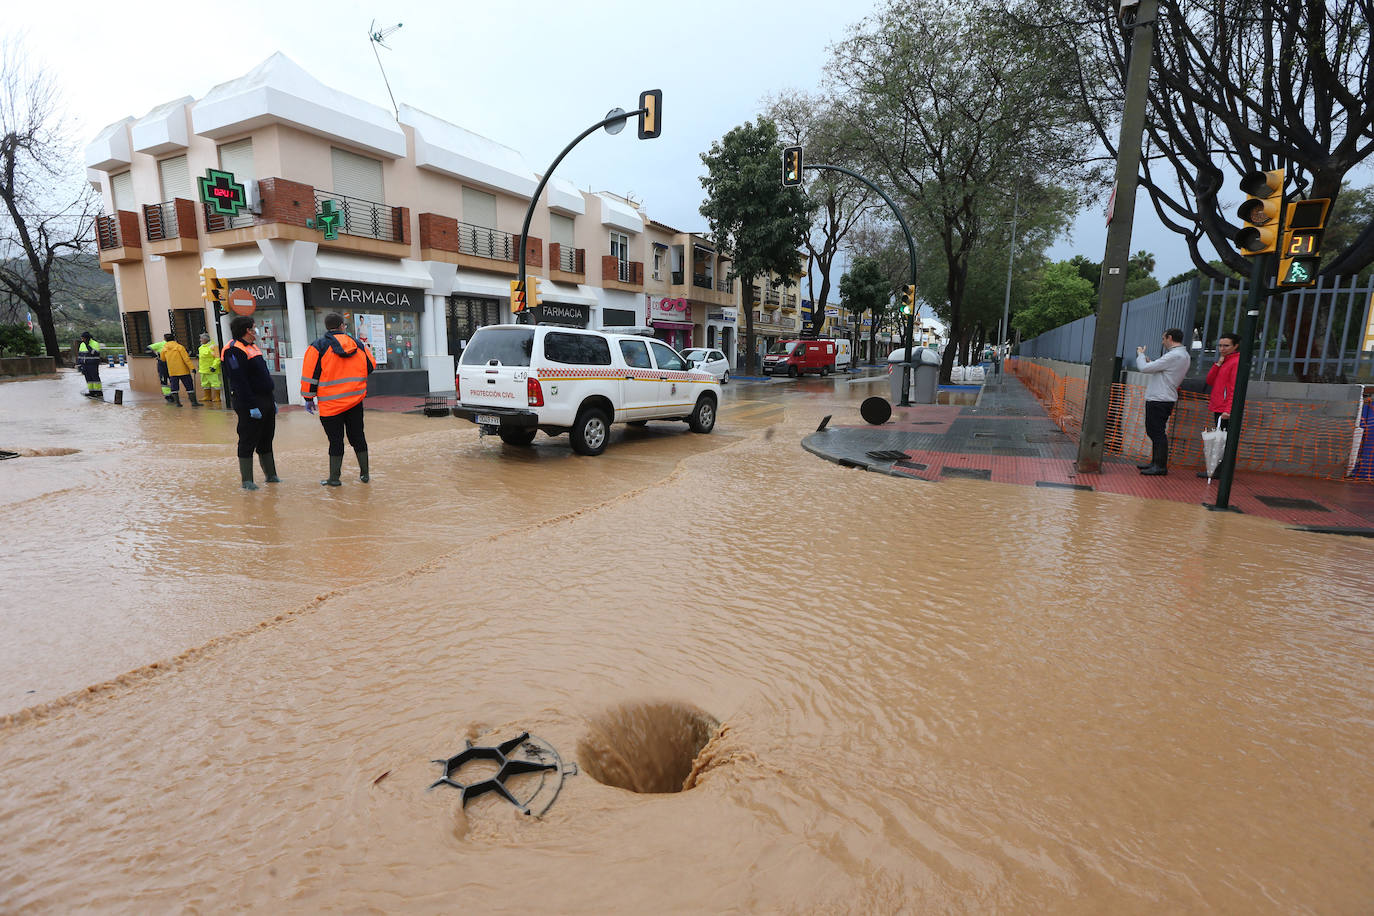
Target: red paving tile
1348, 505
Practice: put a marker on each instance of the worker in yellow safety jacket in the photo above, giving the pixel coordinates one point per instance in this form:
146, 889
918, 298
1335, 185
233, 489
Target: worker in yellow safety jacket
179, 369
210, 379
88, 360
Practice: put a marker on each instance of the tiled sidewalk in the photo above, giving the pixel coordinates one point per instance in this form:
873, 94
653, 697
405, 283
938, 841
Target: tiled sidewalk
1008, 438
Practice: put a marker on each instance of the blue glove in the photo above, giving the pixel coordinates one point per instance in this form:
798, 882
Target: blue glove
255, 414
310, 405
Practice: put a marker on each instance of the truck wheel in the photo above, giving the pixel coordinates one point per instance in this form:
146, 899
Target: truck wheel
703, 418
590, 432
825, 370
517, 435
791, 371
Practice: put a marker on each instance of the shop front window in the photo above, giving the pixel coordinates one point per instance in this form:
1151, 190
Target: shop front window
273, 338
393, 337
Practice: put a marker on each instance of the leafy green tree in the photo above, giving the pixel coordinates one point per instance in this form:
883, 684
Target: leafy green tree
1057, 296
958, 107
759, 223
18, 340
864, 288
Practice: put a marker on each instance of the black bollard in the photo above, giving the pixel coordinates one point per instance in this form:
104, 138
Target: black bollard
119, 395
875, 410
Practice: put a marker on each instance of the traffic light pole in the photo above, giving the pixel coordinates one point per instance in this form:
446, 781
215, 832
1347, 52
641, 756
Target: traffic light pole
1258, 272
1116, 259
548, 173
911, 251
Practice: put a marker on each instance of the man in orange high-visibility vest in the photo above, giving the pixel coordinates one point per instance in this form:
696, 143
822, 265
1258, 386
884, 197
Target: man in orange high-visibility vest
334, 382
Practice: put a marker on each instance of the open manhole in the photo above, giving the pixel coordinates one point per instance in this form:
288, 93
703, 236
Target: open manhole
646, 747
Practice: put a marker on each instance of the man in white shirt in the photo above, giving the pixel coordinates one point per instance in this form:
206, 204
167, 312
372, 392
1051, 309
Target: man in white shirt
1161, 394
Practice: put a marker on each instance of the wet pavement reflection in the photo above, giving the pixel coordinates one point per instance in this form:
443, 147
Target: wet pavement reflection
955, 696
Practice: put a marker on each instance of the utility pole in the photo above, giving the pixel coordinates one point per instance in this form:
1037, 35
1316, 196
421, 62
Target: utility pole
1102, 373
1006, 303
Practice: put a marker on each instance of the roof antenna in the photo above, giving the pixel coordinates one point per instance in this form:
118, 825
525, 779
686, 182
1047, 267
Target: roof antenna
378, 37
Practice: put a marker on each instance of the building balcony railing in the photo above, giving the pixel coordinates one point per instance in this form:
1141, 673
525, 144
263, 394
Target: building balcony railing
366, 218
628, 273
771, 297
678, 278
569, 260
116, 236
623, 271
725, 286
789, 301
161, 221
485, 242
703, 280
290, 209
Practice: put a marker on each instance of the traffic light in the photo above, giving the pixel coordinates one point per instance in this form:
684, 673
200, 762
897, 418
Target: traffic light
651, 119
212, 288
517, 297
532, 288
792, 167
1303, 225
908, 299
1260, 212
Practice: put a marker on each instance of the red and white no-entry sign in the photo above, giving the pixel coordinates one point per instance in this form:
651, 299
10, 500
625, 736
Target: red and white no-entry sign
241, 302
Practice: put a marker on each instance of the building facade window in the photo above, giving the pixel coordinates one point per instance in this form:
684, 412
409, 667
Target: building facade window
356, 176
620, 250
465, 315
122, 190
138, 333
175, 178
393, 337
187, 326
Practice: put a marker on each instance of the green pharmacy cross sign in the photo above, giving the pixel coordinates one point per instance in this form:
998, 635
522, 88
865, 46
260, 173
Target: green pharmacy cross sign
222, 192
327, 220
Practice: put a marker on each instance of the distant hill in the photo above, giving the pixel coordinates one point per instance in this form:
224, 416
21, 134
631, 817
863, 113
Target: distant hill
83, 299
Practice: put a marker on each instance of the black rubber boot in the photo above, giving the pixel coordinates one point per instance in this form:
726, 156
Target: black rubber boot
335, 467
192, 394
269, 467
362, 466
246, 472
176, 398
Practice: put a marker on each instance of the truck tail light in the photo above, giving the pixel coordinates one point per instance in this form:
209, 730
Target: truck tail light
457, 387
535, 392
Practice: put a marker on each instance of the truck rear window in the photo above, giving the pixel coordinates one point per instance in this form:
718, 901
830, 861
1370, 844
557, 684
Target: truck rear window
576, 349
508, 346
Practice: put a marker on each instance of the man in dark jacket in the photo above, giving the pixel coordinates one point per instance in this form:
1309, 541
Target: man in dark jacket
252, 389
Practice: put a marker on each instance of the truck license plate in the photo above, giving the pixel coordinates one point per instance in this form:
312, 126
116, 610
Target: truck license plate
486, 419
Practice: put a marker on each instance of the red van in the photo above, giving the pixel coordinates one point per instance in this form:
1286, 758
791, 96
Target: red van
798, 357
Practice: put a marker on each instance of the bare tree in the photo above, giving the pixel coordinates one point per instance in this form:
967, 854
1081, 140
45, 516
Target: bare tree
1245, 84
840, 203
49, 210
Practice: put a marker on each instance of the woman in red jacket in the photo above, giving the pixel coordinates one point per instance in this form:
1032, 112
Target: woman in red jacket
1221, 378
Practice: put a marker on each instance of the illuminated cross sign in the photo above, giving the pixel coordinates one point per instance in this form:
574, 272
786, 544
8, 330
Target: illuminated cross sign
222, 192
328, 219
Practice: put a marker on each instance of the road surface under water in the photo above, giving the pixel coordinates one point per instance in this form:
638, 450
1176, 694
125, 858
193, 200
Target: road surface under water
956, 696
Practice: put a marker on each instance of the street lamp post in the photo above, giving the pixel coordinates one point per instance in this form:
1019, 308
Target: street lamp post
650, 111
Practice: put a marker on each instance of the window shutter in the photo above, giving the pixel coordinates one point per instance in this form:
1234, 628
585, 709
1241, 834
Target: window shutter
561, 230
357, 176
122, 189
479, 208
176, 179
237, 159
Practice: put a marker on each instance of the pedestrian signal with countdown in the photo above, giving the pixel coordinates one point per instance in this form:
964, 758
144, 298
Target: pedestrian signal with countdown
1303, 225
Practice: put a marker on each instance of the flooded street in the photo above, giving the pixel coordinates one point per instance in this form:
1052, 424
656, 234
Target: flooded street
957, 696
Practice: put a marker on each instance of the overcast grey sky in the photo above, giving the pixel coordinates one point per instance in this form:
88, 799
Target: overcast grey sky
531, 79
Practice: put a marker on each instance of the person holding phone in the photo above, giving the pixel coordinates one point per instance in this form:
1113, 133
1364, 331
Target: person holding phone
1161, 394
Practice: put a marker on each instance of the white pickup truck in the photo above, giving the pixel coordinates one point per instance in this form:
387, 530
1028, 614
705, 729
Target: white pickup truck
516, 379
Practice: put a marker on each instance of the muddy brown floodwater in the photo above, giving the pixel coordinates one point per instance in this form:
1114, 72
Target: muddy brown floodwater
880, 695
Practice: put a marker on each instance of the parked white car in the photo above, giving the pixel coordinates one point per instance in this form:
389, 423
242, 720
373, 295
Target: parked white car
516, 379
708, 360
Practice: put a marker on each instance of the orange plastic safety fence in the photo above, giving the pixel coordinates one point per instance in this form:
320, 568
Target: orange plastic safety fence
1279, 437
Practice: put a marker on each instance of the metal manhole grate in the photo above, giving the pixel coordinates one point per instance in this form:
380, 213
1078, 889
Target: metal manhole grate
539, 757
1063, 486
967, 473
1292, 502
886, 455
910, 465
